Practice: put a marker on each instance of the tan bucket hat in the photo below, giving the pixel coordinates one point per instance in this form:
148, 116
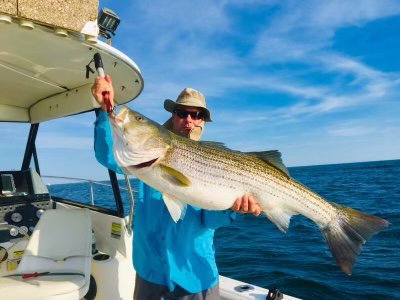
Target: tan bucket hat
189, 97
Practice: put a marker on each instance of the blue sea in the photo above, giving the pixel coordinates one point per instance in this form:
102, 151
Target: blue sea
299, 262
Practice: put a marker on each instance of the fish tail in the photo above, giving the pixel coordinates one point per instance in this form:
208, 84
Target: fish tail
347, 233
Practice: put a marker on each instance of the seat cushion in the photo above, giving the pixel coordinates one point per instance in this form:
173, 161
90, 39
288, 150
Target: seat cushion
60, 243
42, 287
61, 233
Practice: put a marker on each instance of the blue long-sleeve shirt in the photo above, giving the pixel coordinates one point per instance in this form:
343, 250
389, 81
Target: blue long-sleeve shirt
165, 252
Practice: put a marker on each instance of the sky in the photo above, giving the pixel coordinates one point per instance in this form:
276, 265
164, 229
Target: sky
317, 80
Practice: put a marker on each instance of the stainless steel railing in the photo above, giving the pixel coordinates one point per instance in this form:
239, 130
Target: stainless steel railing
91, 193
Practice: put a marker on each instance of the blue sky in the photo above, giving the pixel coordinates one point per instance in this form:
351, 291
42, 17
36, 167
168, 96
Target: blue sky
318, 80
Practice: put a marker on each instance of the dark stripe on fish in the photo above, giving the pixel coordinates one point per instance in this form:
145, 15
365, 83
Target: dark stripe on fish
145, 164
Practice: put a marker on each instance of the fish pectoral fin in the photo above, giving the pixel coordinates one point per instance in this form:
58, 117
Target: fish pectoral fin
176, 208
280, 218
174, 176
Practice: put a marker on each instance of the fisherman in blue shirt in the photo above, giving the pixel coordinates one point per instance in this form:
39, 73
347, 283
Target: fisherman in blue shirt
172, 260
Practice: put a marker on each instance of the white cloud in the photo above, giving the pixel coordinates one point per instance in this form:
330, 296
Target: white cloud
352, 131
301, 28
336, 14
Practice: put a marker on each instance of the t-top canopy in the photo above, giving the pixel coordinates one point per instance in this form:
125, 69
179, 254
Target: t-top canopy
43, 74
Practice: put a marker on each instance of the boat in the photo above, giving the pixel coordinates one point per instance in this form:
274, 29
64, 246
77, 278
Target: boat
53, 246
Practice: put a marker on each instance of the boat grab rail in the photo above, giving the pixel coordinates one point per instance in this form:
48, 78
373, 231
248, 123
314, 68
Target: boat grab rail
93, 182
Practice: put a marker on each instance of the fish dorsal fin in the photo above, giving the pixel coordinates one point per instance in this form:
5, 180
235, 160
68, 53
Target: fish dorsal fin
213, 144
273, 157
174, 176
176, 208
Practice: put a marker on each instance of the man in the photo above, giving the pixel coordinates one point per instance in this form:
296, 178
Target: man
172, 260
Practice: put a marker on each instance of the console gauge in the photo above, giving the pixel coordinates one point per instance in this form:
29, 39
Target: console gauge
24, 228
14, 232
16, 217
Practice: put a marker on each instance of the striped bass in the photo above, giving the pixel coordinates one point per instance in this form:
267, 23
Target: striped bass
210, 176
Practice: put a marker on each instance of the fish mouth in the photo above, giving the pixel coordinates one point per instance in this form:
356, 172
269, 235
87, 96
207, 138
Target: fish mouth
119, 118
121, 114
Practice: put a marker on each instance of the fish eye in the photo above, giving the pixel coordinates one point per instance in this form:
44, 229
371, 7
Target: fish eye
139, 118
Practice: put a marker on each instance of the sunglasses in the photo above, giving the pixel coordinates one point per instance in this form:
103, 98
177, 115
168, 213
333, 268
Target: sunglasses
195, 115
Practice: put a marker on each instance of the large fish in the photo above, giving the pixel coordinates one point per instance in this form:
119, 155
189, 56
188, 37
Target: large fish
208, 175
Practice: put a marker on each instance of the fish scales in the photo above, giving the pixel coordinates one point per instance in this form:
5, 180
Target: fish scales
210, 176
226, 169
255, 176
259, 168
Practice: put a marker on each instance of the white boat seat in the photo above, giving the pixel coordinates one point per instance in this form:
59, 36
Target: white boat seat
56, 261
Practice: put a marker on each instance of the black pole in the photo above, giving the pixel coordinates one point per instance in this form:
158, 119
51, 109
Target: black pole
115, 186
35, 159
117, 193
98, 63
30, 146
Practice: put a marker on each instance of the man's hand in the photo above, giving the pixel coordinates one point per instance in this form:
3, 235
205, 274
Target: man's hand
100, 86
246, 204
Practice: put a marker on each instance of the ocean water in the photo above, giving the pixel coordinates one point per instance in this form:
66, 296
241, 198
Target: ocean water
299, 262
